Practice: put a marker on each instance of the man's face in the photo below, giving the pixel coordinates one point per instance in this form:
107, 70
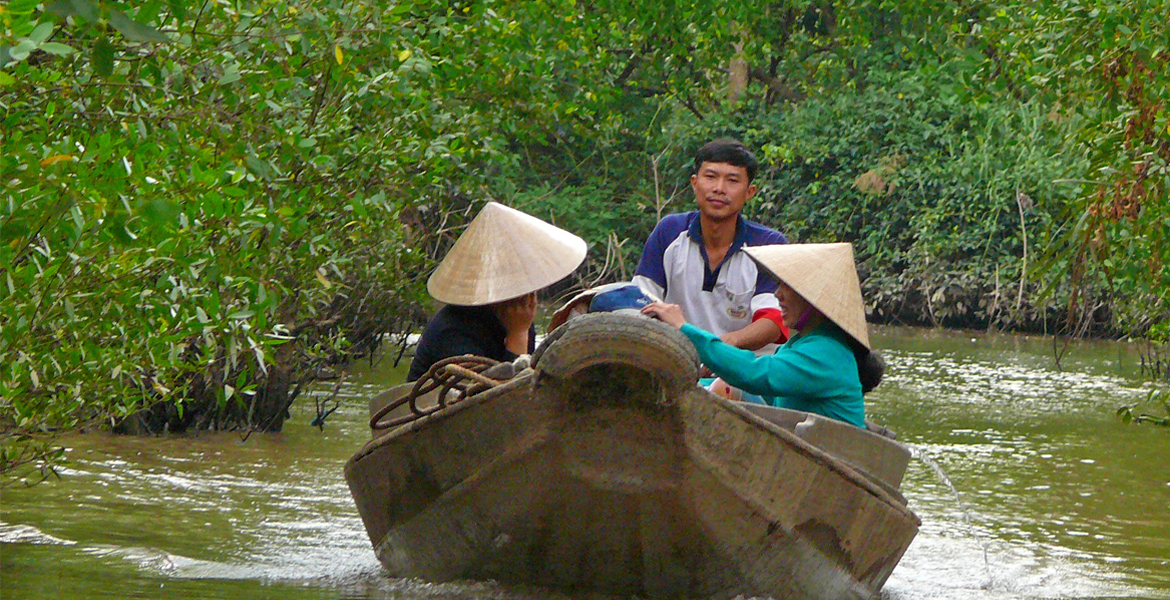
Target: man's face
721, 189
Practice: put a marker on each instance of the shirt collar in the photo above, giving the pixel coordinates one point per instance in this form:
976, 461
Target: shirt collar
695, 230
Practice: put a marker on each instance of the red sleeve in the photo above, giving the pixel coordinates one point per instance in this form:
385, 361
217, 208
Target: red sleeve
774, 315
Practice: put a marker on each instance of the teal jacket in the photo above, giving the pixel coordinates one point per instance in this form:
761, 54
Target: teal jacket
814, 371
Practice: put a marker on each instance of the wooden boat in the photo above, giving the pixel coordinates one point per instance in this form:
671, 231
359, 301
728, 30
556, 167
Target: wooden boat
604, 467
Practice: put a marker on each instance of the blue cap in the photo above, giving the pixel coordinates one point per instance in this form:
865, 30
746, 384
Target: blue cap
625, 296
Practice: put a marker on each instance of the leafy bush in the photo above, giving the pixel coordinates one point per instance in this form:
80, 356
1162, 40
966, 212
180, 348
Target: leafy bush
204, 208
614, 225
939, 197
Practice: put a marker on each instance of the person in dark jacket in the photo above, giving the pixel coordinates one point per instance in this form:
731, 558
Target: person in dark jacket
488, 283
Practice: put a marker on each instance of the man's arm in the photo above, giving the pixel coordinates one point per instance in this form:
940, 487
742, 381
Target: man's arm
756, 335
767, 326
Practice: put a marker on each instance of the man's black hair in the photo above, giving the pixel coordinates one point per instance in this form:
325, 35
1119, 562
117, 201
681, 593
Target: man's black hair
730, 151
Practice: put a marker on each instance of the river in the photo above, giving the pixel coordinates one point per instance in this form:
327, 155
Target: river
1027, 484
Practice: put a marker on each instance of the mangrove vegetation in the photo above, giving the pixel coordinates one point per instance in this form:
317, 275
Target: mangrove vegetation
207, 206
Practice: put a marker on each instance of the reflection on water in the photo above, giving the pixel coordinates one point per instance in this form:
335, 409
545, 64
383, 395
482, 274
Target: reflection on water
1026, 483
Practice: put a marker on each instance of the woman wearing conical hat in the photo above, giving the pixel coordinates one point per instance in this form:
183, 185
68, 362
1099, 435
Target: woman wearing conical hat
489, 281
822, 367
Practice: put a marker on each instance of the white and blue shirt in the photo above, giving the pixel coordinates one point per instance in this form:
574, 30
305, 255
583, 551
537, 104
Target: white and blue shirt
674, 267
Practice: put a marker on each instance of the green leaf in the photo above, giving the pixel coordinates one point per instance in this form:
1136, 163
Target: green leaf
56, 48
41, 32
22, 50
160, 212
148, 11
22, 6
103, 57
75, 8
230, 75
259, 166
135, 31
179, 8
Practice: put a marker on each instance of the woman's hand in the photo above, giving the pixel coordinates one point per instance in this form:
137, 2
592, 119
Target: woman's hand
516, 315
724, 389
671, 314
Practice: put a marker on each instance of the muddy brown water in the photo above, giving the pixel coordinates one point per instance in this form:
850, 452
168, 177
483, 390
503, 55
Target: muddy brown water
1027, 484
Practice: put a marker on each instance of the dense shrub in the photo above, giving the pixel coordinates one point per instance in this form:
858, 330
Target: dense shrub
939, 197
203, 205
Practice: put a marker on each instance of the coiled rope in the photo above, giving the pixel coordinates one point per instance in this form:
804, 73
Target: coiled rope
460, 374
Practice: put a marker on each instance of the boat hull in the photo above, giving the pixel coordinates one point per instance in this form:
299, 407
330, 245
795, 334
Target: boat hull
618, 479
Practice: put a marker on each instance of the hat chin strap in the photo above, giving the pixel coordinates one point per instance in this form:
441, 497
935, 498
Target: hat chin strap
805, 318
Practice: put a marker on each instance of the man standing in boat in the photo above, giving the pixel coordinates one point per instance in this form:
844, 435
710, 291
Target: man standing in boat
489, 281
696, 259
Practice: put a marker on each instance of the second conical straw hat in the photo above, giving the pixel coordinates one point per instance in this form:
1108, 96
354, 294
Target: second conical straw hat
504, 254
825, 276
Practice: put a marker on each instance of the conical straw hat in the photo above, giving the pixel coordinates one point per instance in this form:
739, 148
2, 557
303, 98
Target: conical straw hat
824, 275
504, 254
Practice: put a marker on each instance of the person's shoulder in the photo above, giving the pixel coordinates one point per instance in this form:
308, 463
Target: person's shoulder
830, 335
682, 220
454, 317
674, 224
762, 235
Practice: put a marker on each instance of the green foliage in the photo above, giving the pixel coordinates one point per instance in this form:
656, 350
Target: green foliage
1158, 400
176, 213
1106, 63
612, 223
202, 204
940, 197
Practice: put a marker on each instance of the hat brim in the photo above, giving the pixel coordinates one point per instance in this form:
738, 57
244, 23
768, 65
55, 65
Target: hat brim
504, 254
579, 304
824, 275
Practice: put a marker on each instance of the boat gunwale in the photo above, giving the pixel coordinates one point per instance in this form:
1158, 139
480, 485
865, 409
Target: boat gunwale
443, 413
817, 454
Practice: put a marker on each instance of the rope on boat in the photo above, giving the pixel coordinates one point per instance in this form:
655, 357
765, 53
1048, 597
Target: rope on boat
460, 374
